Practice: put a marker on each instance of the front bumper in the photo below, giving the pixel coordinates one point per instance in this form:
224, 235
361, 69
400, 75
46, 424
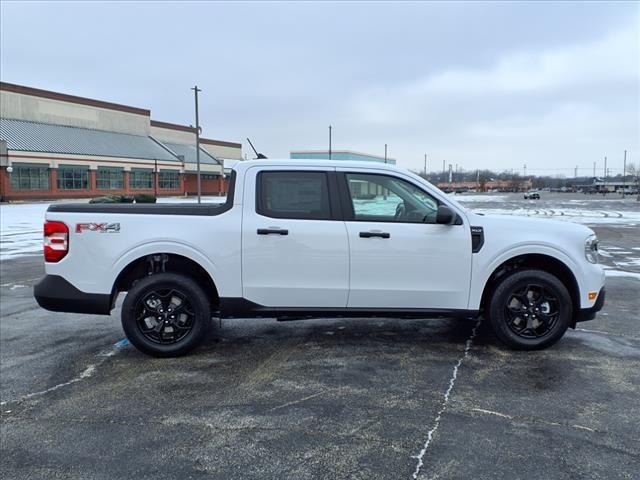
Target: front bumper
585, 314
56, 294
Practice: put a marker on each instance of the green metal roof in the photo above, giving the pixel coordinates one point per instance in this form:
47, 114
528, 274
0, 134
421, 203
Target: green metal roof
28, 136
189, 153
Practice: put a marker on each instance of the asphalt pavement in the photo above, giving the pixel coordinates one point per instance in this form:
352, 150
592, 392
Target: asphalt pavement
332, 398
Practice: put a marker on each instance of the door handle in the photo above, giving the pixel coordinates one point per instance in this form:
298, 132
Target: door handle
375, 234
273, 231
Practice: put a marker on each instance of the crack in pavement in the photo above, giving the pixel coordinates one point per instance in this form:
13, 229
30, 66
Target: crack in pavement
86, 373
304, 399
534, 420
600, 332
445, 401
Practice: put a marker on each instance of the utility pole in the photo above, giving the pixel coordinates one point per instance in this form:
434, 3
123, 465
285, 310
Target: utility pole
385, 153
444, 171
425, 165
575, 172
605, 169
450, 173
594, 169
525, 170
329, 142
195, 91
624, 174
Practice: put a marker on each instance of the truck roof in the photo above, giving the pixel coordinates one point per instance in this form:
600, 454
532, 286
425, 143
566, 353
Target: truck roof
301, 162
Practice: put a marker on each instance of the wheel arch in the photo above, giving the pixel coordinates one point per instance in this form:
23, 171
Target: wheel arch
539, 261
148, 264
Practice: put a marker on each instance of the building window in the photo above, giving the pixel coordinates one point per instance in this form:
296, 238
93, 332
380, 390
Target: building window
73, 177
141, 178
169, 179
29, 176
109, 178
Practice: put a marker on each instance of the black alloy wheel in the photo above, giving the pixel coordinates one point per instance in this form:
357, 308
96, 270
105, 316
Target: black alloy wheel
529, 309
532, 311
166, 315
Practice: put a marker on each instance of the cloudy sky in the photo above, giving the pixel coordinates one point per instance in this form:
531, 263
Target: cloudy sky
482, 85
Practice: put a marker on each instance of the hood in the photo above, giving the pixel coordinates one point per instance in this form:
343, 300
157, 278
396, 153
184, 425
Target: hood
534, 229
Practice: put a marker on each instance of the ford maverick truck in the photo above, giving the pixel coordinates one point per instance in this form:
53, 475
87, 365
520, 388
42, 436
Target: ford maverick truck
310, 239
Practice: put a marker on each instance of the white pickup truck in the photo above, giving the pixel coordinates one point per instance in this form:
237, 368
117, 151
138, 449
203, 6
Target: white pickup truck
308, 239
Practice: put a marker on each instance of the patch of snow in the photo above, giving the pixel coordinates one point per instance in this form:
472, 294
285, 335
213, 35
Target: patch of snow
21, 224
621, 273
628, 262
21, 229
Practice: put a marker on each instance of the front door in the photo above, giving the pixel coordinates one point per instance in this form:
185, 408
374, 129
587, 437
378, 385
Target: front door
295, 251
399, 257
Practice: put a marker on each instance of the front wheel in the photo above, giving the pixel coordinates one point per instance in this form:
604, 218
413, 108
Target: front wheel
166, 315
530, 310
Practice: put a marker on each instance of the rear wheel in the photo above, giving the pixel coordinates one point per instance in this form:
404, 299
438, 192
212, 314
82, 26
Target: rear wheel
530, 310
166, 315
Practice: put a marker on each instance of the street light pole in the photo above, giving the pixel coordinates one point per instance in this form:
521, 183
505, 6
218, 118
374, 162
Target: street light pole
385, 153
195, 91
329, 142
425, 165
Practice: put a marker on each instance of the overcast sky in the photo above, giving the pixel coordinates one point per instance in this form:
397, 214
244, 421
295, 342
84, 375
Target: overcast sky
482, 85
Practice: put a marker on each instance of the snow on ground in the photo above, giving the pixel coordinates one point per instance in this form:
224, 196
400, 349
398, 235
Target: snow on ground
621, 273
21, 229
464, 198
21, 224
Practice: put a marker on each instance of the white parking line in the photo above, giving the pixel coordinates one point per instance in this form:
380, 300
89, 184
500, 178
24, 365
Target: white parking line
86, 373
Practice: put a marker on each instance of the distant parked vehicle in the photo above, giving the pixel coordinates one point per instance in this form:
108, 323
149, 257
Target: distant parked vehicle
532, 196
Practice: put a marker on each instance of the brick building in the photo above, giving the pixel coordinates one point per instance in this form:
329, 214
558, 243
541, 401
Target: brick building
54, 145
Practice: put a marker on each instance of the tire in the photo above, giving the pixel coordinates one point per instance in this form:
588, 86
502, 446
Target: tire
166, 315
513, 315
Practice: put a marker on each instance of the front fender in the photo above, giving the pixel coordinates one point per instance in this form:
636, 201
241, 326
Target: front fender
484, 266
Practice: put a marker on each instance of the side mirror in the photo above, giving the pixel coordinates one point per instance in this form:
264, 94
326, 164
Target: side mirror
445, 215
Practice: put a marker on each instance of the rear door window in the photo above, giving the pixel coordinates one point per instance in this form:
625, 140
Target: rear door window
293, 195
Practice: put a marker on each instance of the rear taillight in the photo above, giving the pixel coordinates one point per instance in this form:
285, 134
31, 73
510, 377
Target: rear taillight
56, 241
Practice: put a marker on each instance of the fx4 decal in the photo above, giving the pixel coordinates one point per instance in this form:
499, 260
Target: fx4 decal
98, 227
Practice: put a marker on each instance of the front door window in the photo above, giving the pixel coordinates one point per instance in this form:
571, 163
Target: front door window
383, 198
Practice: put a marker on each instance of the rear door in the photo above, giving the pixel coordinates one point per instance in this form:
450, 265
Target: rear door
295, 250
399, 257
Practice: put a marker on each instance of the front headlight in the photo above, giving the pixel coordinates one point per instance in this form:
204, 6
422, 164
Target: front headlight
591, 249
